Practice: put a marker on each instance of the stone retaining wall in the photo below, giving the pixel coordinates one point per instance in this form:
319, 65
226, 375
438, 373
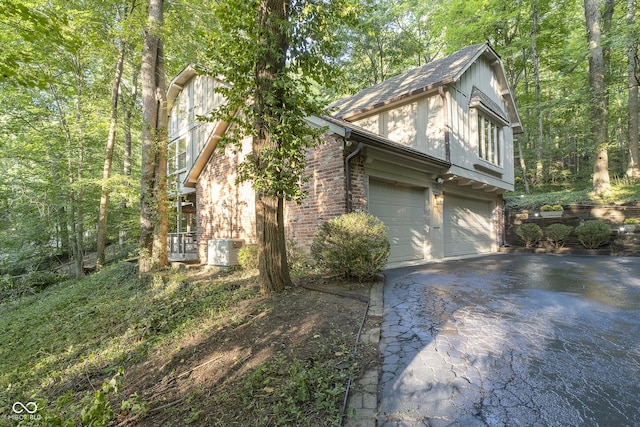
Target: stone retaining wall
621, 243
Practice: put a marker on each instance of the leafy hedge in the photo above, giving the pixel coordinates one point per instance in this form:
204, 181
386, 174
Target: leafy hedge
353, 245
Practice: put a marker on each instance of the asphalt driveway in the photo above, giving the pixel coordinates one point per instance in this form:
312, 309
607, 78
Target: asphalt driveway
512, 340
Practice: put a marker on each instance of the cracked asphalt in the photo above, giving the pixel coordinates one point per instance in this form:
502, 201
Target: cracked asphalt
512, 340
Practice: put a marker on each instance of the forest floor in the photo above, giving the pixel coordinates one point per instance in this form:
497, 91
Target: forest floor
197, 347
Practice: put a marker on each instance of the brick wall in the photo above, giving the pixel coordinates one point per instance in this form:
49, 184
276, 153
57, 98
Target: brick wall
225, 210
359, 185
325, 192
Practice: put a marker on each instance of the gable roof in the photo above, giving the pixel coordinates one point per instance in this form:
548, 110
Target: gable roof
420, 80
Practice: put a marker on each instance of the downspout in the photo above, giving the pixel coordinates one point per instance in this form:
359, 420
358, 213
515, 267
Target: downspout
347, 168
445, 109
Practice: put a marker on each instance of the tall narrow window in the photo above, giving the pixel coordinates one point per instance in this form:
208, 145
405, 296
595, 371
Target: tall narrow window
489, 142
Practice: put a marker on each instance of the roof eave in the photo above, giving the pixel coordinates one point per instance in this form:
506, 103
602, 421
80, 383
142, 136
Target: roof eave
355, 115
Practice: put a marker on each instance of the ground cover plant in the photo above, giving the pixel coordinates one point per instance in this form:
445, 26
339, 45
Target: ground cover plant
178, 348
621, 192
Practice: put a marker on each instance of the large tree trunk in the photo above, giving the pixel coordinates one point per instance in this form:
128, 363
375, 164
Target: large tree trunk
536, 82
128, 103
601, 182
633, 169
272, 255
108, 159
153, 219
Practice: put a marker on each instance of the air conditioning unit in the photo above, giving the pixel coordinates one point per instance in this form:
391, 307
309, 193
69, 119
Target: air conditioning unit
223, 252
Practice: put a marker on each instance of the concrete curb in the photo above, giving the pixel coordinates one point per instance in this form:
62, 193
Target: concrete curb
362, 406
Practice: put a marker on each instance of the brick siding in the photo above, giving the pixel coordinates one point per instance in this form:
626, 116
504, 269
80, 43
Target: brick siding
227, 210
224, 210
325, 192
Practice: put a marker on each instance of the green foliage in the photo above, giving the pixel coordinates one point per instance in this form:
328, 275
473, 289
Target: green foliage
529, 233
298, 392
353, 245
29, 284
557, 234
248, 257
282, 98
98, 412
89, 327
551, 208
572, 195
299, 262
593, 234
631, 221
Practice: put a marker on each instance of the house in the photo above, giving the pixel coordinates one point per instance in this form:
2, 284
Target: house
429, 152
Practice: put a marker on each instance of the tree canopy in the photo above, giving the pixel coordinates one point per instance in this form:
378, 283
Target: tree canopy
59, 59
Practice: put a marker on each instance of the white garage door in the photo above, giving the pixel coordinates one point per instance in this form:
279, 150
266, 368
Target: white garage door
402, 209
467, 226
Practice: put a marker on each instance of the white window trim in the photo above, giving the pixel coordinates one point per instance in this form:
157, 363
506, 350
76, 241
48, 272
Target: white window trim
499, 124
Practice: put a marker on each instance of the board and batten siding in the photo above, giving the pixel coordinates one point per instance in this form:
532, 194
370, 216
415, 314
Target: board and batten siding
415, 124
464, 120
197, 99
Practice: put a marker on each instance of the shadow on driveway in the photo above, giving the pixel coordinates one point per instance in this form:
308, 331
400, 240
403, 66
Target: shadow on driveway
512, 339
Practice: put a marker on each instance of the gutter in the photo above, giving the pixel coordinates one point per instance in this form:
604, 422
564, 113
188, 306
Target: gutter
347, 168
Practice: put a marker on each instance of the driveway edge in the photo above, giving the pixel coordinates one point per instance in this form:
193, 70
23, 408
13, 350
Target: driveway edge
362, 406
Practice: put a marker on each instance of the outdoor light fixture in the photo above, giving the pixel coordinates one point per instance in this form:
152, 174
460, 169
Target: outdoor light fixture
438, 198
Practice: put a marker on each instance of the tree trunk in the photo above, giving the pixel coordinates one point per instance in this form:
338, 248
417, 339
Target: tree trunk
601, 182
633, 169
153, 220
108, 159
272, 255
79, 223
128, 104
536, 82
523, 166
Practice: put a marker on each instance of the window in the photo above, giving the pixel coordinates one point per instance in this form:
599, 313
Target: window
489, 140
177, 155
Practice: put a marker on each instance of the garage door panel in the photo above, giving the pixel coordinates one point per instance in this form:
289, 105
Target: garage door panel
467, 226
402, 209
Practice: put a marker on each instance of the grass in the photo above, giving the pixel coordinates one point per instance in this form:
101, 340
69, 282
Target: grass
69, 348
622, 192
85, 329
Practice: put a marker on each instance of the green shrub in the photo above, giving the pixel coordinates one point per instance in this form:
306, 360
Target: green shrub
530, 233
39, 280
557, 234
631, 221
248, 257
593, 234
551, 208
353, 245
299, 263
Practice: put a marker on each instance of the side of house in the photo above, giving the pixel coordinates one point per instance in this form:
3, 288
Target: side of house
429, 152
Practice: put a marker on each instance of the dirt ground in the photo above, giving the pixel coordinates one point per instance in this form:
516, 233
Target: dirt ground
316, 319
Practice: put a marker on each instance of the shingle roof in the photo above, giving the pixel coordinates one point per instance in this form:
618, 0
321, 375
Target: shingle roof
413, 82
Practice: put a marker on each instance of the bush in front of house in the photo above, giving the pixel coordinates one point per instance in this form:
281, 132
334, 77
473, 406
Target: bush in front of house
593, 234
248, 257
529, 233
353, 245
557, 234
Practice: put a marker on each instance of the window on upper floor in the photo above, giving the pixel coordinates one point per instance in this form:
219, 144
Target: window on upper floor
177, 154
489, 140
